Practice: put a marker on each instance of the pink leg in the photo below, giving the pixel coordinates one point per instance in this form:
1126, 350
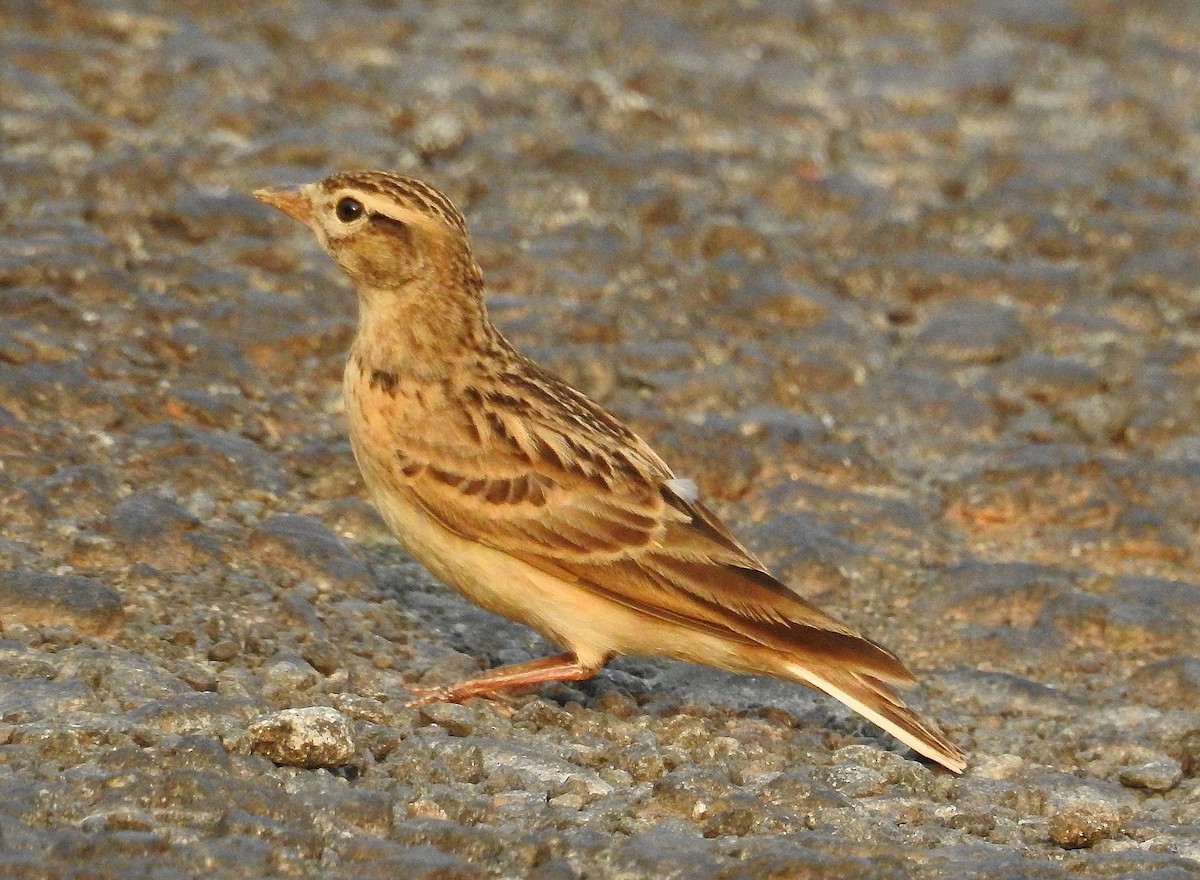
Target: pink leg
560, 667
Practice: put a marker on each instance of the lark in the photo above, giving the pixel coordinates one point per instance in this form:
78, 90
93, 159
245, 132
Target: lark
535, 503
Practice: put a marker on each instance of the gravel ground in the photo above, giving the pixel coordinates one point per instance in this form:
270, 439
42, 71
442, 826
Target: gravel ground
910, 289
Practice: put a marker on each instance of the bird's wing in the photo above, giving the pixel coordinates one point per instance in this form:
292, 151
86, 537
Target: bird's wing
591, 503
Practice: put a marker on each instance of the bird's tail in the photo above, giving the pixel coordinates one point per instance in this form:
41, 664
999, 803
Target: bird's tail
871, 698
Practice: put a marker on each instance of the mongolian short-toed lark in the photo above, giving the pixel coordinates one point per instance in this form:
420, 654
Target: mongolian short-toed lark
532, 501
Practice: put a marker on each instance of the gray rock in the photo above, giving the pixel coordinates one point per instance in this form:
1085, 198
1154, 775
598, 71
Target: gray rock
454, 719
974, 332
537, 769
41, 599
1162, 774
306, 545
1083, 823
22, 701
287, 674
145, 517
314, 736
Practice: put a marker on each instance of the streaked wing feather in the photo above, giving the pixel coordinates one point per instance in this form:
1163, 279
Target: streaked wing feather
604, 517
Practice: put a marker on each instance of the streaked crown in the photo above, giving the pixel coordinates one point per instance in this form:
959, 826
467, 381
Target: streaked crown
403, 192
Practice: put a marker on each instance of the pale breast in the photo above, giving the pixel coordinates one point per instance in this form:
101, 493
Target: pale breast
385, 417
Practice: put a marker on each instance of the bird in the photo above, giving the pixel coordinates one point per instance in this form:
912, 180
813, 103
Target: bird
534, 502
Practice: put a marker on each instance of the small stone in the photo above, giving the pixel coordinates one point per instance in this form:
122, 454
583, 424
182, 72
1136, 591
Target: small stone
236, 821
555, 869
1168, 683
1099, 417
644, 765
119, 819
149, 527
361, 708
322, 655
974, 333
201, 505
1161, 774
43, 599
1004, 766
287, 673
361, 809
246, 510
143, 518
466, 764
440, 134
687, 792
197, 676
539, 769
855, 781
569, 801
456, 720
22, 701
800, 792
735, 815
313, 736
424, 808
223, 651
304, 545
1083, 823
194, 713
893, 768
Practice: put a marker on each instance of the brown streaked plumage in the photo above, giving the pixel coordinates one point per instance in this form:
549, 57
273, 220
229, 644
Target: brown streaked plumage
531, 500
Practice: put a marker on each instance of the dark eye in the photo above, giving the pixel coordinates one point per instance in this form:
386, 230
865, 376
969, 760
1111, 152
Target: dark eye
348, 210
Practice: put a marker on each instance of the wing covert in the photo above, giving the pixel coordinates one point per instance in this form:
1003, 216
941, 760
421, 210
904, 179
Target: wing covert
604, 512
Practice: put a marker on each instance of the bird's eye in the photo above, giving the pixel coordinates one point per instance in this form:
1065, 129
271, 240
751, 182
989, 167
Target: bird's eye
348, 209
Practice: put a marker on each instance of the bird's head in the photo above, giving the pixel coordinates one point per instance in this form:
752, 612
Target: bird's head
385, 230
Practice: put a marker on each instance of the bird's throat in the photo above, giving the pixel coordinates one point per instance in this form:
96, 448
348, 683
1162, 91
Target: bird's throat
412, 333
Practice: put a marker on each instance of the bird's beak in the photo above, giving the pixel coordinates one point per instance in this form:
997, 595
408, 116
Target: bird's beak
293, 202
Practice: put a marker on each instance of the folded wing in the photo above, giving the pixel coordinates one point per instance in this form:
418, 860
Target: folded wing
597, 507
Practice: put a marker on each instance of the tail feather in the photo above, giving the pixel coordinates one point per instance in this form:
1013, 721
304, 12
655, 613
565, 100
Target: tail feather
871, 698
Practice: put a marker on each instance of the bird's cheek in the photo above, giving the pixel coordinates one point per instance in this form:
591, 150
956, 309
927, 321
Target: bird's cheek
375, 268
391, 256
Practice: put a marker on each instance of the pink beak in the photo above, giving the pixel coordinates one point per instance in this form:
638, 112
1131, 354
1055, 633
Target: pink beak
292, 202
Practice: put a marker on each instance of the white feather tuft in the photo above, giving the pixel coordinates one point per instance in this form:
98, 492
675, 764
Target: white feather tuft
684, 488
950, 758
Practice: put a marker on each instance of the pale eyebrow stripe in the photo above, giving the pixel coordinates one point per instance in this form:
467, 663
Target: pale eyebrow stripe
416, 193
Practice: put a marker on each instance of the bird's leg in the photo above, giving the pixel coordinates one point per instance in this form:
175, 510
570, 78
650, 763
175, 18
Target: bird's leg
560, 667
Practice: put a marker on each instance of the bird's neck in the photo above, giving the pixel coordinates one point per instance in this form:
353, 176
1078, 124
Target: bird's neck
420, 328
